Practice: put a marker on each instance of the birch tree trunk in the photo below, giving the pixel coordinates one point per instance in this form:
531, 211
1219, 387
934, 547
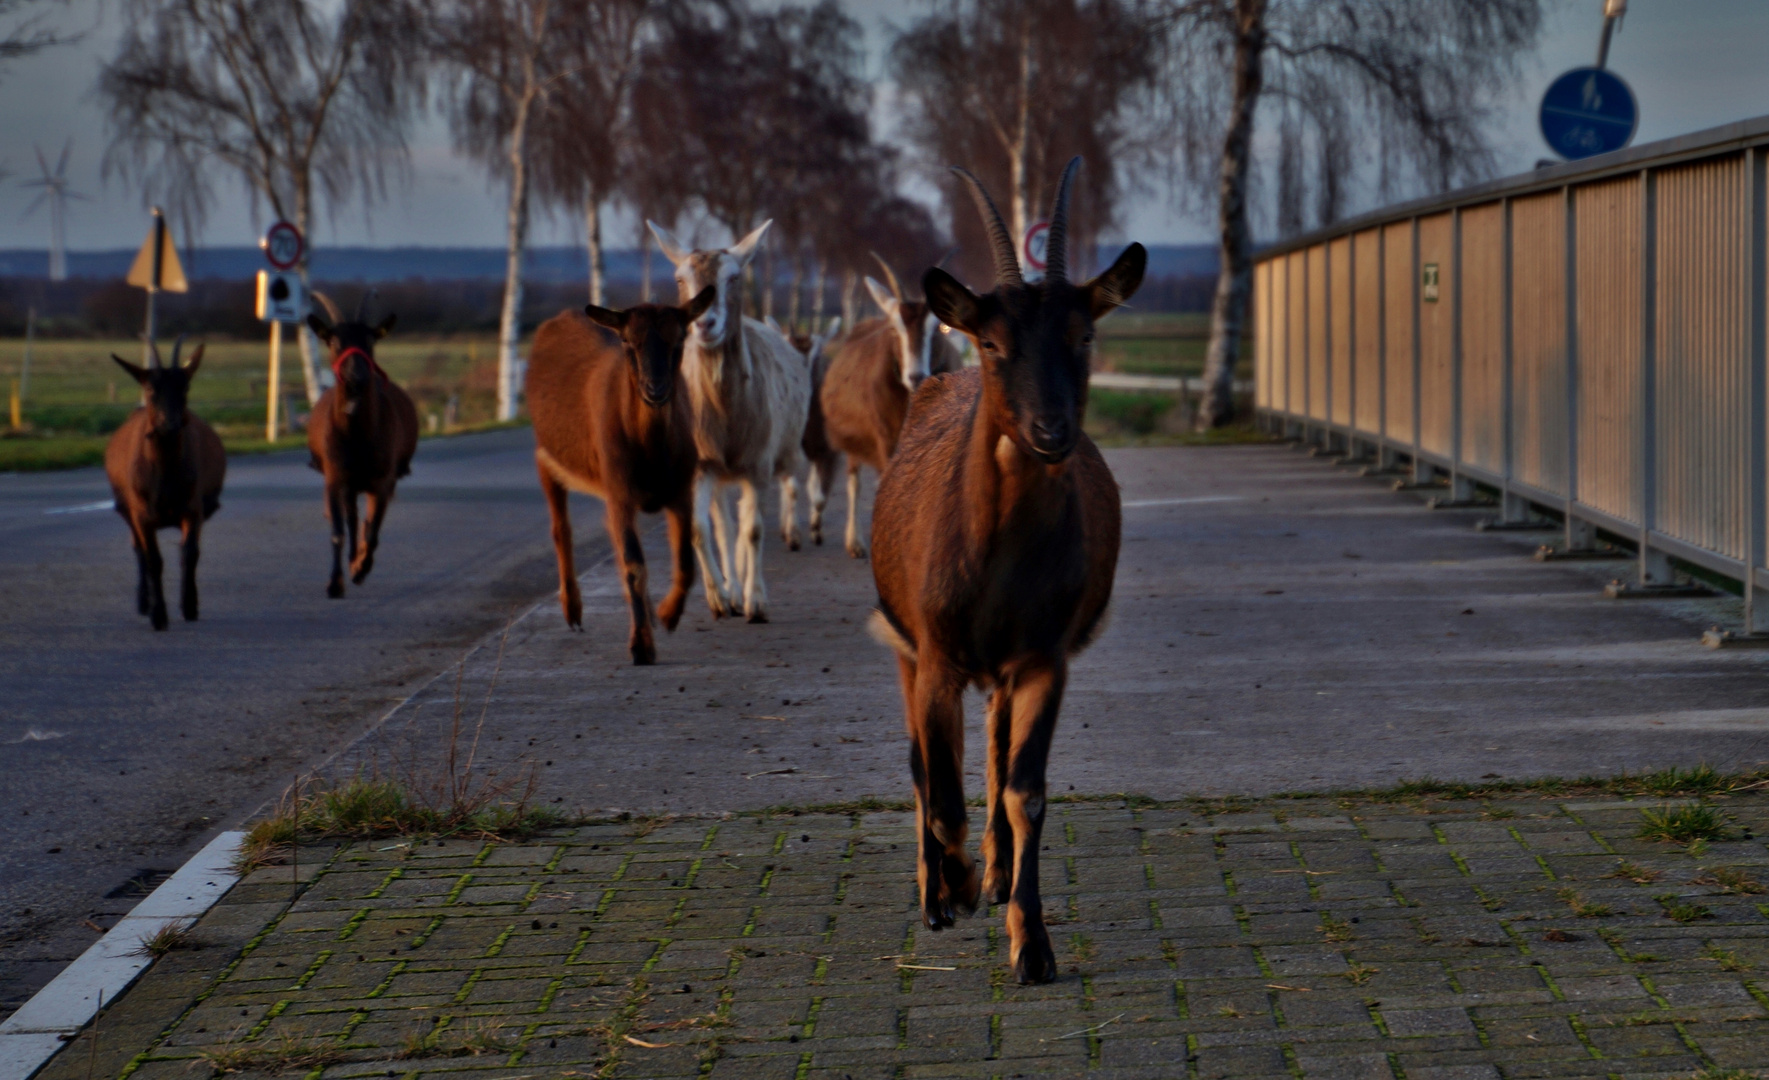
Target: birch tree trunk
510, 323
593, 234
1017, 164
644, 262
850, 287
798, 288
1234, 281
817, 291
315, 372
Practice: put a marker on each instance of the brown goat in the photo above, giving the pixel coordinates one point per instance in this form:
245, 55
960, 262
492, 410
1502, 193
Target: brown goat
362, 435
166, 467
611, 420
872, 373
995, 538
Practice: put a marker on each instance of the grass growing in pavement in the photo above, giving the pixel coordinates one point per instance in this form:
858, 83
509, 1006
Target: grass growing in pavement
1685, 824
1679, 910
1730, 879
290, 1051
165, 939
470, 1039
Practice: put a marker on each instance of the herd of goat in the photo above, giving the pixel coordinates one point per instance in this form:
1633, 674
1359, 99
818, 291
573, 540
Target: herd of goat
995, 526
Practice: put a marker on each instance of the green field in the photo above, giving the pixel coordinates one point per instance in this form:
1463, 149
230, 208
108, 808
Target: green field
75, 396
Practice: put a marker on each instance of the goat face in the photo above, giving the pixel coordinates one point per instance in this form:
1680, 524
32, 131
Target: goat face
652, 337
352, 344
914, 325
1035, 342
165, 391
697, 271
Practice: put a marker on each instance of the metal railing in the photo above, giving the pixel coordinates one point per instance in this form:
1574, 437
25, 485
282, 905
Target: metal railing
1587, 338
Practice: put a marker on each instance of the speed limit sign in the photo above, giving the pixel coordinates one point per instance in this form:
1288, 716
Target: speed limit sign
282, 245
1034, 245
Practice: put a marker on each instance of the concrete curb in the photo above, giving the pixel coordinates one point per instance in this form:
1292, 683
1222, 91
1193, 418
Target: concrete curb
57, 1013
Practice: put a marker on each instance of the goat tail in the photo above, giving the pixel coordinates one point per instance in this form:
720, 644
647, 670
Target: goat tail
885, 632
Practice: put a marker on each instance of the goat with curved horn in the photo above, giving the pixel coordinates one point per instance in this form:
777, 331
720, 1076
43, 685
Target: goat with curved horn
166, 467
333, 315
890, 275
1007, 260
995, 543
361, 435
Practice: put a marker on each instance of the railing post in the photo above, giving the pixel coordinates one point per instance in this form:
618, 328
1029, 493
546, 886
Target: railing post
1385, 456
1580, 536
1756, 611
1461, 490
1513, 510
1422, 472
1353, 445
1655, 566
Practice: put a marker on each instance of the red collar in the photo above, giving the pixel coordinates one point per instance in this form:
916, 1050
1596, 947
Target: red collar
338, 362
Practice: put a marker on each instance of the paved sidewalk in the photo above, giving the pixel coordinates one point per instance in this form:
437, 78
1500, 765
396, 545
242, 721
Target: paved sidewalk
1323, 938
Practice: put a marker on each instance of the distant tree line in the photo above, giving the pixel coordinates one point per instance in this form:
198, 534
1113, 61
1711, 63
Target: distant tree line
723, 113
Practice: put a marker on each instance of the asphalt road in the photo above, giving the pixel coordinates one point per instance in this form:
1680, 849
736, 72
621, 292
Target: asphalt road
122, 750
1279, 624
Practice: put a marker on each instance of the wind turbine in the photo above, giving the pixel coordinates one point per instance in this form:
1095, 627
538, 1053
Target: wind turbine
56, 193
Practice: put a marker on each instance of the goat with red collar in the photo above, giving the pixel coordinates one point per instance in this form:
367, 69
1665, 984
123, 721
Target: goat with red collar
362, 434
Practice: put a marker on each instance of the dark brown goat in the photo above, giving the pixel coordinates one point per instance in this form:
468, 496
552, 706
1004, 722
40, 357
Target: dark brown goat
995, 540
872, 373
611, 421
166, 467
820, 458
362, 435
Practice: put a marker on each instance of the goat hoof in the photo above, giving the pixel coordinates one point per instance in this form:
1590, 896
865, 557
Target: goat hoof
857, 551
360, 576
644, 655
335, 590
190, 614
817, 538
158, 619
792, 544
996, 888
1035, 962
757, 616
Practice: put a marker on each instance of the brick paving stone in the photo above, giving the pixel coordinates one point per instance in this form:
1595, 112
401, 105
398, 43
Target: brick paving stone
1321, 939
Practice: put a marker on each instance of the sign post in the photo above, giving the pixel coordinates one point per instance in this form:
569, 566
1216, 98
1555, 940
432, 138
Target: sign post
156, 268
280, 299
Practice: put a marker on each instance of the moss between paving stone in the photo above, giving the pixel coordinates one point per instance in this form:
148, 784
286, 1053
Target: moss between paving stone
1353, 935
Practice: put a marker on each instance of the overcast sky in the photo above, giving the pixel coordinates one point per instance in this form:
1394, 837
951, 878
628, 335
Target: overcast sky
1691, 64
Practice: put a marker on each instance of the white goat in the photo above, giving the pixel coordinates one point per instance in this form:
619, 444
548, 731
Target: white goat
750, 392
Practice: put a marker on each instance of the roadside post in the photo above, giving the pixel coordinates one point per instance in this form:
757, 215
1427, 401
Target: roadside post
280, 299
156, 269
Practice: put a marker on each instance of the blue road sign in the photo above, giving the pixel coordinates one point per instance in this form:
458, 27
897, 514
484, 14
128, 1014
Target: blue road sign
1588, 111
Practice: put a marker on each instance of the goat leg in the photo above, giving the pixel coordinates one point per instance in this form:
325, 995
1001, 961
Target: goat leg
375, 504
1037, 697
187, 585
143, 592
715, 589
558, 506
789, 512
856, 546
946, 871
156, 612
817, 481
681, 519
629, 559
997, 832
749, 544
335, 497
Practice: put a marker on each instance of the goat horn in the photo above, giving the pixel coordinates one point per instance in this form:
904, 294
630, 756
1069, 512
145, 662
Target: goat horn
890, 278
177, 347
331, 308
1007, 263
1056, 246
362, 306
153, 354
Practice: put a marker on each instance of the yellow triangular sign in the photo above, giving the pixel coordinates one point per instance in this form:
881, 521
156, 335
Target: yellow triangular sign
171, 272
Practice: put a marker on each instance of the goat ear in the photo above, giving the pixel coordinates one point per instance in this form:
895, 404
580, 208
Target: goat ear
601, 316
196, 358
667, 243
697, 306
1118, 283
319, 326
882, 297
139, 374
386, 326
745, 249
950, 301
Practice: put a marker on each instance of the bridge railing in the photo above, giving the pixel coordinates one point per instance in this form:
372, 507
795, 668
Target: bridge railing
1587, 338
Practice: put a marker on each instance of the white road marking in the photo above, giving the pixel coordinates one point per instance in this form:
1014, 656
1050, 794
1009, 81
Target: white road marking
83, 508
1184, 502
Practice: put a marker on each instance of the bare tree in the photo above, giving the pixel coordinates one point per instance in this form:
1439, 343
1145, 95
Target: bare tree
1013, 88
25, 28
510, 55
1406, 85
582, 136
299, 99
